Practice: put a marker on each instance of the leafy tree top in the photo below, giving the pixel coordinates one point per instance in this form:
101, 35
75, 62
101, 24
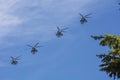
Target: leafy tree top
111, 61
112, 41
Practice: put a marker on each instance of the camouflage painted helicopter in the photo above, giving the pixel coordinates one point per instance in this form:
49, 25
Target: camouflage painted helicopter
14, 60
83, 18
59, 33
34, 48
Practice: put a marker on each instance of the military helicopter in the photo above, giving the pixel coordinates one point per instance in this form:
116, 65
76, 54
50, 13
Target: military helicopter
14, 60
59, 33
83, 19
34, 48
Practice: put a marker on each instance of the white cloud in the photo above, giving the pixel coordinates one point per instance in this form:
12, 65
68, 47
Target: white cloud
7, 20
63, 10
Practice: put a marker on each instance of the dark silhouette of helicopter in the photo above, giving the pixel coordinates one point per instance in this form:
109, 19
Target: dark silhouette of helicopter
83, 18
119, 3
59, 33
34, 48
14, 60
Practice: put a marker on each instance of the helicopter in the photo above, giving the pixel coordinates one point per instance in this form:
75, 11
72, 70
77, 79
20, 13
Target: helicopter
59, 33
14, 60
34, 48
83, 19
119, 4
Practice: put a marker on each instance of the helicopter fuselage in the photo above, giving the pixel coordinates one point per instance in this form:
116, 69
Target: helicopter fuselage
83, 20
34, 50
59, 34
14, 62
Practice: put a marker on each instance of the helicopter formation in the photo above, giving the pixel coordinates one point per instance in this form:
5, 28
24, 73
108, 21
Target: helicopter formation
59, 33
34, 50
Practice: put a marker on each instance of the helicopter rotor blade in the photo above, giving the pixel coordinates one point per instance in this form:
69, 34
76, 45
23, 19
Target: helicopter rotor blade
12, 57
36, 44
81, 14
17, 58
58, 28
39, 46
29, 46
64, 29
88, 14
87, 17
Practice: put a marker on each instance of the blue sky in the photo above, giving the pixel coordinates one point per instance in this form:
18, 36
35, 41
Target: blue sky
71, 57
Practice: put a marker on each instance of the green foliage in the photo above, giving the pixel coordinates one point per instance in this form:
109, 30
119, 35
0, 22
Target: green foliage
111, 60
97, 37
112, 41
110, 65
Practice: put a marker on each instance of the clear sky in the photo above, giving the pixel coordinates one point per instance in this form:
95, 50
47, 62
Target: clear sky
71, 57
